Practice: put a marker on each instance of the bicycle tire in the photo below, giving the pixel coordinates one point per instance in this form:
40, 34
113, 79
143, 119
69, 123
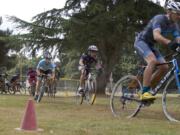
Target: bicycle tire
41, 94
171, 101
22, 90
32, 90
121, 102
78, 97
13, 90
92, 89
10, 89
3, 89
51, 90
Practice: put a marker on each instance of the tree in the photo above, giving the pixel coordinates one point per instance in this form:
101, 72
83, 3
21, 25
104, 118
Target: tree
6, 44
110, 24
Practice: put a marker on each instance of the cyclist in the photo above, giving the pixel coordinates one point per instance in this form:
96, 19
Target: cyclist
3, 81
85, 63
45, 66
31, 74
156, 31
57, 66
15, 79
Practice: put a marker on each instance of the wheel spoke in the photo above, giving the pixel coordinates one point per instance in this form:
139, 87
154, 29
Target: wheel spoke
124, 99
171, 101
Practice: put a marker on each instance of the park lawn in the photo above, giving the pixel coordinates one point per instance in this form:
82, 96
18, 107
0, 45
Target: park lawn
61, 116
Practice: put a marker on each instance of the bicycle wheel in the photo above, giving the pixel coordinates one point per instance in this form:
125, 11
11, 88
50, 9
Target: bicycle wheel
11, 90
171, 100
53, 87
32, 90
42, 90
91, 93
2, 88
124, 100
78, 97
51, 90
22, 90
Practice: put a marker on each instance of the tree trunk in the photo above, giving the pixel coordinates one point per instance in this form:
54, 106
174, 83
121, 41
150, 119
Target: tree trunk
102, 81
109, 59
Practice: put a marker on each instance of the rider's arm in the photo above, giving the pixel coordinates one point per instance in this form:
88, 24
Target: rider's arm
178, 40
159, 38
53, 74
39, 67
158, 23
52, 68
81, 62
176, 33
38, 71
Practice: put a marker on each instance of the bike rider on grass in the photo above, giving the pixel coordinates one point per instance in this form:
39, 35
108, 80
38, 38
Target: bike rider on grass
85, 62
31, 75
156, 31
15, 79
57, 66
45, 66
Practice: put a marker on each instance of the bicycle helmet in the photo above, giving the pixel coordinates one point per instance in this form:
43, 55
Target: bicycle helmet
47, 55
92, 48
173, 6
57, 62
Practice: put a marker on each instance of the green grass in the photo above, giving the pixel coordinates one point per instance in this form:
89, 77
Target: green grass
61, 116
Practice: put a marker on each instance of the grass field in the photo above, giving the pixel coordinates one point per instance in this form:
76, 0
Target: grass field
61, 116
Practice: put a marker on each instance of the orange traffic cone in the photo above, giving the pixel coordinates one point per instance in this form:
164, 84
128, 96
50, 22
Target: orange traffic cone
29, 119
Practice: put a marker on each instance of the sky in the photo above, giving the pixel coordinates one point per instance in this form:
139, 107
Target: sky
26, 9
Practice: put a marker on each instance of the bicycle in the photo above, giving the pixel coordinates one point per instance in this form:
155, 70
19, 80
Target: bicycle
2, 83
5, 85
31, 87
15, 87
90, 89
125, 102
51, 89
44, 86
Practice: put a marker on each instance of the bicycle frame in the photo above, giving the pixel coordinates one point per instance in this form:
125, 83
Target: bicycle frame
45, 81
89, 94
175, 70
91, 76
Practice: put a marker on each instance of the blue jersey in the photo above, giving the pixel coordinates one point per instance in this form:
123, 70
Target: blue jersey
45, 66
162, 23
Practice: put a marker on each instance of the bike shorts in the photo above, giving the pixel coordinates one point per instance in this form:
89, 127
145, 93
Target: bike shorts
143, 49
39, 78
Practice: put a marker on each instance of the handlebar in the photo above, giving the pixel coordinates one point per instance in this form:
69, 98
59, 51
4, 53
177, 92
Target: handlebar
44, 75
177, 51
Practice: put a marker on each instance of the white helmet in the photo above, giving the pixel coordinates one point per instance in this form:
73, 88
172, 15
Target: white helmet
57, 62
92, 48
47, 55
172, 5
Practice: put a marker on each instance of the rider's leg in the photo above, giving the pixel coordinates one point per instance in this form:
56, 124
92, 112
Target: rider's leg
146, 51
151, 62
159, 73
38, 83
82, 80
